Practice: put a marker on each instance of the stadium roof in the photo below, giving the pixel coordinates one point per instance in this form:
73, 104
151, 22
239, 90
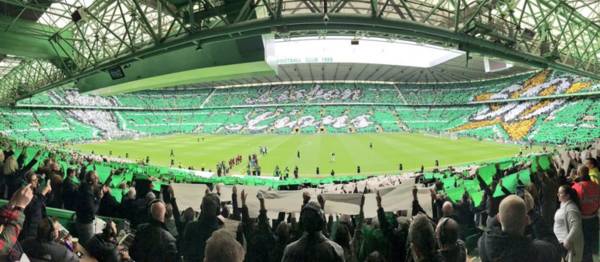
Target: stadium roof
46, 44
452, 71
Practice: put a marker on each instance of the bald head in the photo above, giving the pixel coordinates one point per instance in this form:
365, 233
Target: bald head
447, 209
158, 211
131, 194
512, 215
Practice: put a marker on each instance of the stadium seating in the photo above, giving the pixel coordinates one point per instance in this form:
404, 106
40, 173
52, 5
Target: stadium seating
568, 125
43, 125
433, 118
313, 108
164, 98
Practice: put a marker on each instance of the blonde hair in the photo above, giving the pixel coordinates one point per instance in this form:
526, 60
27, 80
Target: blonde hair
10, 166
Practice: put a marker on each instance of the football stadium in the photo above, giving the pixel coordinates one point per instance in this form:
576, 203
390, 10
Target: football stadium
300, 130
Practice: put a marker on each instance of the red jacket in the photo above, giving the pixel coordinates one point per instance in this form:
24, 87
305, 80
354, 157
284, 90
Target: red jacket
589, 197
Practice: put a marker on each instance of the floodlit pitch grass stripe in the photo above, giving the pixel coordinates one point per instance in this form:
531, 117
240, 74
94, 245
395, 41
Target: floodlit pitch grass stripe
389, 149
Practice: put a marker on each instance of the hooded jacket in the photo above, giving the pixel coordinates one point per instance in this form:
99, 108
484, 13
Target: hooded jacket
313, 248
498, 246
102, 249
152, 243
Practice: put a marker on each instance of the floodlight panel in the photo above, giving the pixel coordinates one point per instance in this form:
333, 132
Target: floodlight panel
495, 65
339, 49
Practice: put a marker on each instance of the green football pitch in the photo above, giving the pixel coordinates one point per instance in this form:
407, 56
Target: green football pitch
351, 150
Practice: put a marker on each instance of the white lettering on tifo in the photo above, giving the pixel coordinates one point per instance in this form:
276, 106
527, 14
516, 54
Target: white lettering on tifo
286, 120
361, 121
253, 123
298, 94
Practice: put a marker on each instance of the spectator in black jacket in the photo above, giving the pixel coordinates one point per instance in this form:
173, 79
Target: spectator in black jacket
321, 248
128, 204
282, 240
505, 241
104, 247
197, 232
537, 227
36, 210
45, 247
108, 206
393, 232
450, 247
87, 206
55, 197
152, 241
15, 173
69, 190
259, 237
422, 240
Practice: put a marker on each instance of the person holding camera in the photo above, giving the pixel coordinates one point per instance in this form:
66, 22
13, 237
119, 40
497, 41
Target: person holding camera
47, 246
104, 246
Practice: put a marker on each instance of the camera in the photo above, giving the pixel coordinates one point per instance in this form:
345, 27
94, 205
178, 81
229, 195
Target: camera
325, 18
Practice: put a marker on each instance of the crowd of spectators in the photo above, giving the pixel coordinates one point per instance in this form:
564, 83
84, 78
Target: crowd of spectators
555, 218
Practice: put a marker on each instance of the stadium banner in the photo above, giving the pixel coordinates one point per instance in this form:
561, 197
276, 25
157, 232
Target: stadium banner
393, 199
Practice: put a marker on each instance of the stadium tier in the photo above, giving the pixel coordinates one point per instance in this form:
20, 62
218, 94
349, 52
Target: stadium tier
518, 112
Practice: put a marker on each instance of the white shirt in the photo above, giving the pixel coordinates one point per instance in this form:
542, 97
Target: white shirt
560, 222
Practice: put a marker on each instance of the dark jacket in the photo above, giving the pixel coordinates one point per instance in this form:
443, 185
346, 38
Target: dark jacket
313, 248
70, 194
87, 205
127, 209
38, 250
540, 229
153, 242
194, 238
261, 240
102, 249
109, 206
34, 213
458, 253
498, 246
16, 180
396, 238
139, 213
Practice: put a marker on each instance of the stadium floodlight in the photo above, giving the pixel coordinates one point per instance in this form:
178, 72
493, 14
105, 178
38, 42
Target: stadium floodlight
344, 49
59, 11
492, 65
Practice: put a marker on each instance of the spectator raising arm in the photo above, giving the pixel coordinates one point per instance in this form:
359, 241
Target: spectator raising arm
234, 203
12, 218
416, 207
